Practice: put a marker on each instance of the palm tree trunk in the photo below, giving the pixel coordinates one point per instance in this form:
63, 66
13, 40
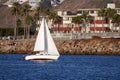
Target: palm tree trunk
58, 28
24, 32
102, 26
28, 33
109, 24
94, 27
15, 28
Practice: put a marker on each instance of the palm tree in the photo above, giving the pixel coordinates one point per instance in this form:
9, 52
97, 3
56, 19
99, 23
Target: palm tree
52, 16
37, 15
116, 21
107, 13
86, 19
25, 12
28, 22
110, 13
15, 11
102, 14
26, 9
38, 11
77, 20
58, 20
47, 11
19, 24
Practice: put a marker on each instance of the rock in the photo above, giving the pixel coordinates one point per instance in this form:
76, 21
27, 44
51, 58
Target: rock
84, 46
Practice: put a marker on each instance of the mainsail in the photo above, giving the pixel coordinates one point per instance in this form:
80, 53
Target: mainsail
44, 41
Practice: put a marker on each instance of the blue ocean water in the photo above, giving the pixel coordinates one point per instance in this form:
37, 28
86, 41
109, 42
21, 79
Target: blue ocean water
67, 67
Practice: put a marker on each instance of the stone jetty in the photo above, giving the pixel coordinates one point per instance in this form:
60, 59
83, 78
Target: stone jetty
94, 46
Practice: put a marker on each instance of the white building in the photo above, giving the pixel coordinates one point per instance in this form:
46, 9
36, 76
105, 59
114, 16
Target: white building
34, 3
98, 25
55, 3
111, 5
9, 3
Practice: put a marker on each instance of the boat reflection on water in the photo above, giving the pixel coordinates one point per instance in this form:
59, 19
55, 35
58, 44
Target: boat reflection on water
44, 61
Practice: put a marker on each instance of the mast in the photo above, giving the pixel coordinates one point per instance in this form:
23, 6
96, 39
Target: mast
45, 38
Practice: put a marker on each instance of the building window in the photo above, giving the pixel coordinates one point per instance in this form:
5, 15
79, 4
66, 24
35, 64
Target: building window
118, 11
66, 18
79, 12
96, 12
91, 11
32, 2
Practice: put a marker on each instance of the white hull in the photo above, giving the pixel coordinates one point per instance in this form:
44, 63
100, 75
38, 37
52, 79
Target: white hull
41, 57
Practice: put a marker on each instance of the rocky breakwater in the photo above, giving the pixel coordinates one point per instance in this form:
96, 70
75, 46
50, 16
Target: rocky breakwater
97, 46
17, 46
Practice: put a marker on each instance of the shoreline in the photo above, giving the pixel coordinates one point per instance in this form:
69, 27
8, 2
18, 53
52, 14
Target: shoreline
94, 46
64, 54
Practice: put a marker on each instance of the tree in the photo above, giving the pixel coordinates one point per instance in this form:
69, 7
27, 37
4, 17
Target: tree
86, 19
38, 11
15, 11
47, 11
107, 13
28, 22
25, 9
110, 13
52, 15
116, 21
19, 24
58, 20
102, 14
37, 16
25, 12
77, 20
55, 18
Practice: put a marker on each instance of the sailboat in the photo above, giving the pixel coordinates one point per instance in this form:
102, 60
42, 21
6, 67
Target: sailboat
44, 45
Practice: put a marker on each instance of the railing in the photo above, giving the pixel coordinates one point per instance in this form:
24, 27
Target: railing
86, 35
62, 36
70, 36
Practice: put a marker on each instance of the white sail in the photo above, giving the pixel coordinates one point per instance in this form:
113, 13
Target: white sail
44, 41
39, 44
50, 46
